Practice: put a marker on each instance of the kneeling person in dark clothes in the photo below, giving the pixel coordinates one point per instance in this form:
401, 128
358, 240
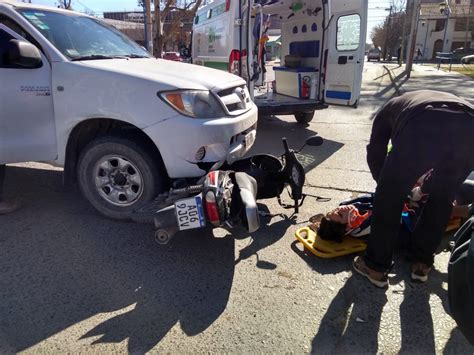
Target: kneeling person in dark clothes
428, 130
6, 206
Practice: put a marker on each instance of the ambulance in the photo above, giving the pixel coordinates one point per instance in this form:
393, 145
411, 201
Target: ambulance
322, 51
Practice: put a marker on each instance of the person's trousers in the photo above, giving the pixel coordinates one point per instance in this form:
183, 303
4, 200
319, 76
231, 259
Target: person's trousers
438, 139
2, 179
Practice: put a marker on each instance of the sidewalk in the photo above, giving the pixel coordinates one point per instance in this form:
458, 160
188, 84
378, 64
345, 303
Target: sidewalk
428, 77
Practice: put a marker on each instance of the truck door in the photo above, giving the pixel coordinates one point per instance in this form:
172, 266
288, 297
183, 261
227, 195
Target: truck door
345, 51
27, 126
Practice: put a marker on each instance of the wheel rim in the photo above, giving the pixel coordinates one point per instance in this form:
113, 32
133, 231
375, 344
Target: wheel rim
118, 180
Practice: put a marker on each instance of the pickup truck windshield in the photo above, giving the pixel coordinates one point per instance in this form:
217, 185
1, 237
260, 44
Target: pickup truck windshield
82, 38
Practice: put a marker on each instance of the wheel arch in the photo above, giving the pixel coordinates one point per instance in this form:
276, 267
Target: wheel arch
87, 131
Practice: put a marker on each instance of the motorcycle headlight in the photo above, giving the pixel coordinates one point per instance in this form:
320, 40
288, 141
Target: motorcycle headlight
193, 103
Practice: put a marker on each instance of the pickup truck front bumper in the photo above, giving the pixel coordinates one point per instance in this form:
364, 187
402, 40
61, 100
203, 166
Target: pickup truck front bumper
187, 144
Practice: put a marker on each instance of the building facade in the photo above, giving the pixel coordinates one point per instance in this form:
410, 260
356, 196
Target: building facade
432, 29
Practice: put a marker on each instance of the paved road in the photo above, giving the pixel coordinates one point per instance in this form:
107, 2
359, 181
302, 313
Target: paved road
72, 281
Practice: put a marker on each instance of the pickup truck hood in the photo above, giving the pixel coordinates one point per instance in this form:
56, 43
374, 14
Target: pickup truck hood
172, 75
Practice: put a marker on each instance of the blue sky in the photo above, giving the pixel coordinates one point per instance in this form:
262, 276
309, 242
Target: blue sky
376, 8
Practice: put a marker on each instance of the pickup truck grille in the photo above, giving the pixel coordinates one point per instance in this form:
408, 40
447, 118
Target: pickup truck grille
236, 99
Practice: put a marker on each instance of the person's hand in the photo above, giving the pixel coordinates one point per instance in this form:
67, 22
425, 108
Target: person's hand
416, 197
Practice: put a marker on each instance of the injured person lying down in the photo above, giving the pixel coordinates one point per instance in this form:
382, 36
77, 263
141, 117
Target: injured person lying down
353, 217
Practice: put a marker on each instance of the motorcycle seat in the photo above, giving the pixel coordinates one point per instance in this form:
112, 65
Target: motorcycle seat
248, 193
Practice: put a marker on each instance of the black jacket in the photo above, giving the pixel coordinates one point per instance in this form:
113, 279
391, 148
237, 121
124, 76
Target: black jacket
395, 114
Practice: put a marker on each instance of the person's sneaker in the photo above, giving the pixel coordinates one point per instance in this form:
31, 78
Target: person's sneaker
419, 272
9, 206
377, 278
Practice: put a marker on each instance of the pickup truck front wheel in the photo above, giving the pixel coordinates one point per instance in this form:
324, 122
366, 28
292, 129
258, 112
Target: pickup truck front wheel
117, 176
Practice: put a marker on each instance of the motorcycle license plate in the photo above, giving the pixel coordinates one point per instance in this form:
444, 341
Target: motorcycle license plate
190, 213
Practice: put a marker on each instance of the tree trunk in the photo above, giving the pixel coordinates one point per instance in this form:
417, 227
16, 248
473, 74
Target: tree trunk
157, 31
159, 38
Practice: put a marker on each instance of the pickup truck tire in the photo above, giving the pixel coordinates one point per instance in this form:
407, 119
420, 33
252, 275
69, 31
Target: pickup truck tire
304, 117
118, 176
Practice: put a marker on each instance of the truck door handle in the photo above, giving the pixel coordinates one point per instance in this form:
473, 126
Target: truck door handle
342, 59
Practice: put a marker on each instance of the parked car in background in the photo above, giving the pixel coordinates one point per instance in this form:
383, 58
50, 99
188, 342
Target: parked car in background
374, 54
469, 59
173, 56
459, 53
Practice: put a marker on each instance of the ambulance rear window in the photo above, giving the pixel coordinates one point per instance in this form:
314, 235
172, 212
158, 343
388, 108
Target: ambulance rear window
348, 32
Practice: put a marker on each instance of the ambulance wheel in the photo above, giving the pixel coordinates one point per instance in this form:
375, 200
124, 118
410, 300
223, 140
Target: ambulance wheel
162, 237
304, 117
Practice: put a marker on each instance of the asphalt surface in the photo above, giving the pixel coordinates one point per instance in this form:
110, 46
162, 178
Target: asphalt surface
73, 281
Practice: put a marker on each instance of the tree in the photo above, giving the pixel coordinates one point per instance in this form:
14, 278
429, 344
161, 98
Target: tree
389, 34
174, 12
171, 12
378, 35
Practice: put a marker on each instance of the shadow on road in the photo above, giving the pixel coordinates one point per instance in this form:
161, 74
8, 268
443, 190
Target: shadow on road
415, 310
323, 266
351, 323
457, 344
268, 234
271, 130
59, 268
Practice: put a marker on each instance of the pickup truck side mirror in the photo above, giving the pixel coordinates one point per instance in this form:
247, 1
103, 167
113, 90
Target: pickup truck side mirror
23, 54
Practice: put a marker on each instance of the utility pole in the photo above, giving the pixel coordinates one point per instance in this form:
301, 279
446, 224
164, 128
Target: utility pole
145, 26
386, 33
446, 9
158, 30
148, 27
467, 27
413, 32
404, 26
427, 23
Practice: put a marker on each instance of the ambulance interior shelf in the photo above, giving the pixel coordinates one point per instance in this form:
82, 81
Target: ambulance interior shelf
298, 82
273, 103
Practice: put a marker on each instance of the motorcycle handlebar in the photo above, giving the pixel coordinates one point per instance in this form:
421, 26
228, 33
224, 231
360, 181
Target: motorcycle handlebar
285, 145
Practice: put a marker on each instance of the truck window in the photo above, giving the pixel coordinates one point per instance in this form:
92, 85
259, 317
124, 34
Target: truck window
212, 13
15, 27
78, 36
348, 32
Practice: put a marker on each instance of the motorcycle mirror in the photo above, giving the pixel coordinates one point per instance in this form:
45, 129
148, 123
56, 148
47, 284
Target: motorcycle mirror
314, 141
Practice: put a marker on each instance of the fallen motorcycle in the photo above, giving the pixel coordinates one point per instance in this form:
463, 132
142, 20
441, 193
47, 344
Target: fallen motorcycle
274, 174
223, 199
227, 197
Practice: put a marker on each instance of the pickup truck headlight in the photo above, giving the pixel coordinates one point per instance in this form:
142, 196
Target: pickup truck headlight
193, 103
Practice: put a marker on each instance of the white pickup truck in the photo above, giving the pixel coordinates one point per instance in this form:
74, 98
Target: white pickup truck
78, 93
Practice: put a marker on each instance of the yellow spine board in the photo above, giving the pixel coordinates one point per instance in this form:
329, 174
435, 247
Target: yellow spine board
328, 249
